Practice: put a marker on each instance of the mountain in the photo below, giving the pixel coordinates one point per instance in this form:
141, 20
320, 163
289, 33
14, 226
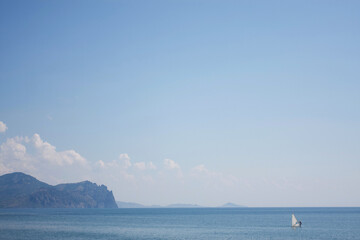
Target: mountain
19, 190
232, 205
138, 205
129, 205
176, 205
182, 205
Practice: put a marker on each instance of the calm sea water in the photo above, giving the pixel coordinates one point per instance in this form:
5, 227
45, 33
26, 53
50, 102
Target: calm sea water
204, 223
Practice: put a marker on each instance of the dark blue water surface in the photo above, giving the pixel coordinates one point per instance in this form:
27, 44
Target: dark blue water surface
165, 223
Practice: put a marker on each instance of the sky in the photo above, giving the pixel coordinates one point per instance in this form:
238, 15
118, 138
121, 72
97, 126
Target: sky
201, 102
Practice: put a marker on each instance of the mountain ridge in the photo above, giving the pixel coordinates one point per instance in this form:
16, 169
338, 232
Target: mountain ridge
176, 205
232, 205
19, 190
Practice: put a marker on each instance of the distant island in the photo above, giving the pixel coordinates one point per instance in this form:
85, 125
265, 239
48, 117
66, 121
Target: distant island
19, 190
232, 205
177, 205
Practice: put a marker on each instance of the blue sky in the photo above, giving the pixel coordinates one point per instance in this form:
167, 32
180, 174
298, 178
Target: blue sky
258, 98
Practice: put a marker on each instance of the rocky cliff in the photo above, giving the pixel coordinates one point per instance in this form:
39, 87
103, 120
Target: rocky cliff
18, 190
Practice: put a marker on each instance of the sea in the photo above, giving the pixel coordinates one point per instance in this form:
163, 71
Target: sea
180, 223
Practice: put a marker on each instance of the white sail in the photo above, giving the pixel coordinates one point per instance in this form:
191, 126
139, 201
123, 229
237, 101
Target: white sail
294, 221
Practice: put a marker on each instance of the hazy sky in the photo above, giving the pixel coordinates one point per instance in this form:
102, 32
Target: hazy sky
204, 102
